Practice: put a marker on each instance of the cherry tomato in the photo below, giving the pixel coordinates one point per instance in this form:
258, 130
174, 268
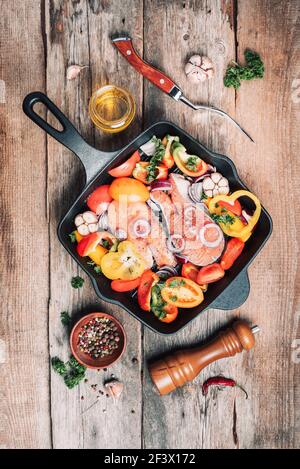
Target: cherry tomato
210, 273
233, 250
99, 200
235, 207
127, 167
190, 271
171, 313
182, 292
125, 285
148, 280
128, 189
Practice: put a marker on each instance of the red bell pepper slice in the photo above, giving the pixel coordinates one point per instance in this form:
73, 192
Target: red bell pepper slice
234, 208
88, 244
148, 280
125, 285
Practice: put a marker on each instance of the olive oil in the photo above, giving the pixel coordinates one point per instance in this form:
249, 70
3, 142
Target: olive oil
111, 108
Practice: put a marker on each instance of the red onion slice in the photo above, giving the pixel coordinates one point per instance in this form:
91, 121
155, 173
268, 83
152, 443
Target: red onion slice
173, 241
210, 169
103, 222
142, 224
247, 216
160, 186
210, 244
149, 147
182, 259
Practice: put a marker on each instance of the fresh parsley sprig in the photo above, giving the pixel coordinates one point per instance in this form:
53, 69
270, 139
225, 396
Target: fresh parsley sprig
155, 160
71, 371
226, 219
77, 282
65, 318
254, 68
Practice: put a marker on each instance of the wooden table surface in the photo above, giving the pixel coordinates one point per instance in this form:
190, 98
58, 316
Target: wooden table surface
40, 178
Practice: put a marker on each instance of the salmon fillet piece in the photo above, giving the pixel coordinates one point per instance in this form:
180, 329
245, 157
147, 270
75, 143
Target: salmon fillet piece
158, 245
187, 219
121, 216
180, 189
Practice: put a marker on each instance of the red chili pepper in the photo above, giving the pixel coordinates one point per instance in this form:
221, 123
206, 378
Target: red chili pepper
221, 381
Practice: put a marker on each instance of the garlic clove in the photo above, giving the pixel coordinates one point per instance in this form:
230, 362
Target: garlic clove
208, 192
83, 230
223, 182
224, 190
216, 177
93, 227
90, 217
114, 388
74, 70
215, 191
208, 183
78, 220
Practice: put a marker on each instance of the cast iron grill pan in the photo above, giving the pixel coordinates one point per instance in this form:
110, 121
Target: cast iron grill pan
226, 294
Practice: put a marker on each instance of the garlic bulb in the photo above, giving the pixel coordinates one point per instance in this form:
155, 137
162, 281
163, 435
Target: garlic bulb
199, 68
86, 223
215, 184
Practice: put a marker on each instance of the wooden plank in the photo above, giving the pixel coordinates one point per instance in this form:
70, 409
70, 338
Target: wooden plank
272, 114
266, 108
79, 32
186, 28
24, 365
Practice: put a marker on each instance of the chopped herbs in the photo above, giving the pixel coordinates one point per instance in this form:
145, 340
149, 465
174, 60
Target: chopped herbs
65, 318
77, 282
105, 244
225, 219
254, 69
58, 365
203, 196
97, 268
176, 283
192, 163
174, 298
156, 159
157, 301
159, 313
72, 371
72, 237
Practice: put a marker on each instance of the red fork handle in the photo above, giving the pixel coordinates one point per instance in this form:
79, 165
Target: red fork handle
159, 79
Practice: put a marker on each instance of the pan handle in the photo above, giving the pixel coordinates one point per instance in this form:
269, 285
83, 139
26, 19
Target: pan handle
93, 160
235, 295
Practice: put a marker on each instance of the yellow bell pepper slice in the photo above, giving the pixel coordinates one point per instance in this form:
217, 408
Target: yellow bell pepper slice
97, 254
237, 229
125, 264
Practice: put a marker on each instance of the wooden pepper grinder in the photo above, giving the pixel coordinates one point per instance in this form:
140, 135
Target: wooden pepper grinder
183, 366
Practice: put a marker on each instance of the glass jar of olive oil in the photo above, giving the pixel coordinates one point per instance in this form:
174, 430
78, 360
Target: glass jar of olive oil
111, 108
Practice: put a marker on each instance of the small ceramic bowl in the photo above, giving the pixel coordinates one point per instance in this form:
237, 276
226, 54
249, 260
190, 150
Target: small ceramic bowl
84, 358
